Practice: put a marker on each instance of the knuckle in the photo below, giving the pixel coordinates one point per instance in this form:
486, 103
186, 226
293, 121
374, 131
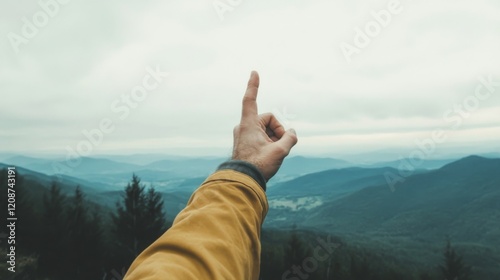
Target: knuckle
282, 150
267, 114
244, 126
247, 99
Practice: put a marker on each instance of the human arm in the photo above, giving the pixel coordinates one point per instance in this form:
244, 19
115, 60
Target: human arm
217, 235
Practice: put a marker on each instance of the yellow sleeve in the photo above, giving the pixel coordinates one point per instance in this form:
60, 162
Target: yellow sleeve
217, 235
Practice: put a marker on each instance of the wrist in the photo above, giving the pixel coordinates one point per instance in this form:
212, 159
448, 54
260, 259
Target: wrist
247, 168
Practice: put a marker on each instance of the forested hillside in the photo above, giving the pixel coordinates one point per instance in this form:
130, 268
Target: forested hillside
342, 224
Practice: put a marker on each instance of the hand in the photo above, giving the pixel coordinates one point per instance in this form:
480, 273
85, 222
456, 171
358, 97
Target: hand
260, 139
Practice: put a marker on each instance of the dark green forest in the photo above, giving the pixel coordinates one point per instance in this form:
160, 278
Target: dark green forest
63, 235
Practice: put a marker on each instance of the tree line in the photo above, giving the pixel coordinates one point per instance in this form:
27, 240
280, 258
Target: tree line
63, 237
301, 257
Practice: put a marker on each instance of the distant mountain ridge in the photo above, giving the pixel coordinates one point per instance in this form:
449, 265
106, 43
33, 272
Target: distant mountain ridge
158, 170
457, 190
326, 182
47, 180
98, 192
424, 164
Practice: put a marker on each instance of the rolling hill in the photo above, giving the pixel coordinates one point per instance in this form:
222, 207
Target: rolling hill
175, 197
461, 201
336, 181
440, 200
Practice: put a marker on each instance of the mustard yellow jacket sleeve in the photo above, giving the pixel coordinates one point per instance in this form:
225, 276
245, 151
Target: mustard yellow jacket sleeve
217, 235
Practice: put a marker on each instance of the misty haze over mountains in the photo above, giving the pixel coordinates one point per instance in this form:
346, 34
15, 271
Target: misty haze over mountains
164, 167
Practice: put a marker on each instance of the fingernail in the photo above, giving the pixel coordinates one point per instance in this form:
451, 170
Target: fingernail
293, 131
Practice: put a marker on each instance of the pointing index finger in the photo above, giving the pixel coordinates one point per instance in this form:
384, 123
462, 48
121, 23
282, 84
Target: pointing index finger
250, 97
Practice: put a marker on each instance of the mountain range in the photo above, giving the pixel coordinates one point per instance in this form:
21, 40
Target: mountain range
459, 200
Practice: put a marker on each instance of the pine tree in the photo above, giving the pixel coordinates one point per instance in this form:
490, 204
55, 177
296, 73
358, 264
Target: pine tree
52, 260
454, 267
295, 250
77, 222
139, 219
155, 216
84, 234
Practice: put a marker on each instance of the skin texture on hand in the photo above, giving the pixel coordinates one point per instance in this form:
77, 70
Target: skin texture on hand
261, 139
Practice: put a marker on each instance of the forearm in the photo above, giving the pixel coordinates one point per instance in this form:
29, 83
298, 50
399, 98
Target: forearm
217, 235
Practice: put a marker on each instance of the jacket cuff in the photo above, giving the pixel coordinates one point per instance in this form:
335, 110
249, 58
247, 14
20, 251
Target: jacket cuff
245, 168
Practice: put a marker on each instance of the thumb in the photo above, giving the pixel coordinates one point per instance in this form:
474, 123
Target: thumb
288, 140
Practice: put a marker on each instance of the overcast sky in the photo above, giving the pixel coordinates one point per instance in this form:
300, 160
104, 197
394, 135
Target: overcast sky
342, 91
